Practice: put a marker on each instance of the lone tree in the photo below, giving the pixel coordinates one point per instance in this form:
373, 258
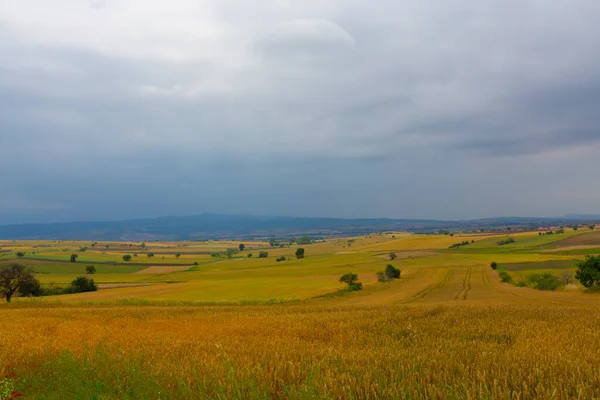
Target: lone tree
588, 272
90, 269
230, 252
73, 257
20, 254
127, 257
242, 246
300, 252
351, 280
263, 254
82, 284
392, 272
393, 256
493, 265
14, 277
150, 255
177, 255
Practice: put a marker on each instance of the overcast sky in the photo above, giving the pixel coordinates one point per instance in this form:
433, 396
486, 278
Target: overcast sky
447, 109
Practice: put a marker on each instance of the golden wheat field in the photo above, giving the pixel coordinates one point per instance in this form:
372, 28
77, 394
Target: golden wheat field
246, 327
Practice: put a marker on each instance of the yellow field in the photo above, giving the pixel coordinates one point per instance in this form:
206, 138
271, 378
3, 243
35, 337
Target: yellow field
449, 328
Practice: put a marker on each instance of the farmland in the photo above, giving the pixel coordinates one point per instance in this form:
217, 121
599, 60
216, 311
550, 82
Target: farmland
190, 323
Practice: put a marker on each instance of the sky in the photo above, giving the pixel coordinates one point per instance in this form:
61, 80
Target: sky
113, 109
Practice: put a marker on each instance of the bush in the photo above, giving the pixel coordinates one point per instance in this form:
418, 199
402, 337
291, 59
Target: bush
508, 240
90, 269
20, 254
127, 257
543, 281
73, 258
249, 255
351, 280
300, 253
392, 272
82, 284
282, 258
393, 256
505, 277
263, 254
30, 287
493, 265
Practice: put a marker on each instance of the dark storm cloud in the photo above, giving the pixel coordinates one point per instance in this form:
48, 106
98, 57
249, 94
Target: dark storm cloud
305, 108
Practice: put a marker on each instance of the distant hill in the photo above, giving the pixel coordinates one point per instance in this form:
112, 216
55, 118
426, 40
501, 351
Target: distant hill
219, 226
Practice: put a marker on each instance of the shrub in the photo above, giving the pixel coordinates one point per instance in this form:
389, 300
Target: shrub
300, 253
263, 254
543, 281
507, 240
81, 284
493, 265
242, 246
150, 255
73, 258
392, 272
177, 255
393, 256
127, 257
282, 258
90, 269
505, 277
381, 277
20, 254
230, 252
351, 280
249, 255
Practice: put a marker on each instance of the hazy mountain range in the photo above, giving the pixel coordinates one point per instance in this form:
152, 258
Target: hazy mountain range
220, 226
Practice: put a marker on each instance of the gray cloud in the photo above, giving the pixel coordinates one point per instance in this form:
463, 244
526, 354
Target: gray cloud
116, 109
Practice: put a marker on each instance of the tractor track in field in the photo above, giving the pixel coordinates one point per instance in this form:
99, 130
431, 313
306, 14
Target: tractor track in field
466, 286
422, 293
417, 273
486, 281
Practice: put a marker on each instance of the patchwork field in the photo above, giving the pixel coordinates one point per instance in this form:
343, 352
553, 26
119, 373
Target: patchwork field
197, 324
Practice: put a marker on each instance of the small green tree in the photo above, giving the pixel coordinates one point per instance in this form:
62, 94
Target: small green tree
588, 272
493, 265
299, 253
127, 257
150, 255
177, 255
82, 284
90, 270
393, 256
143, 245
263, 254
392, 272
73, 257
230, 252
242, 246
249, 255
351, 280
20, 254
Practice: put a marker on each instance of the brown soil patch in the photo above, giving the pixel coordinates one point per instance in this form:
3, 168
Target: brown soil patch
581, 247
157, 270
586, 239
